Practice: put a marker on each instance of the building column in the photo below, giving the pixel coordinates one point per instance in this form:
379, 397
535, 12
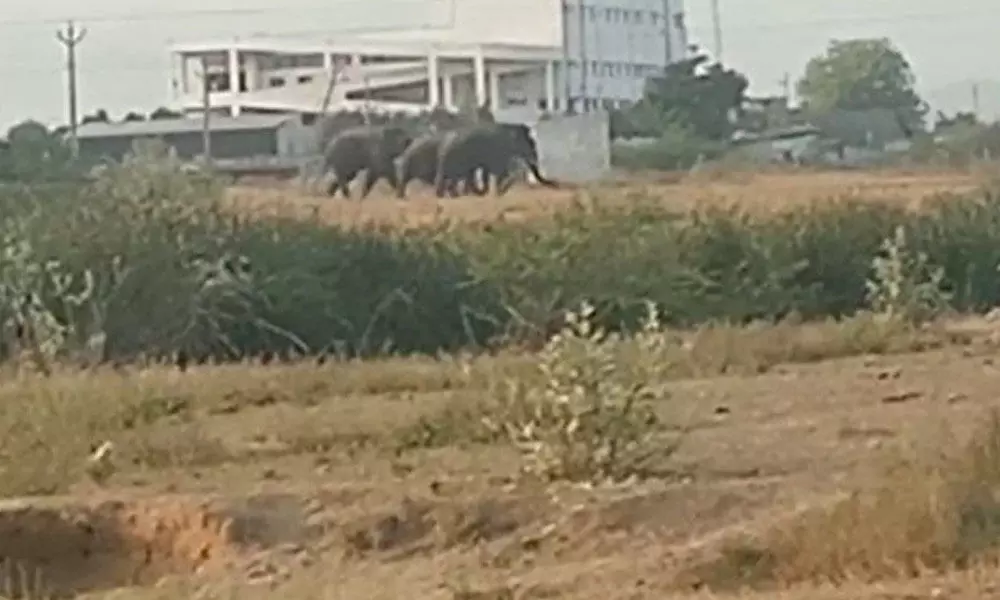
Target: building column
448, 83
494, 90
252, 66
187, 74
433, 81
479, 75
234, 81
550, 86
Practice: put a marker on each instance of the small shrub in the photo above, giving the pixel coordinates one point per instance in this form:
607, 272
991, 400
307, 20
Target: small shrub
591, 418
904, 285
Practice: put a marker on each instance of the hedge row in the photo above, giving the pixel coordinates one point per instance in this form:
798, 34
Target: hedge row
165, 262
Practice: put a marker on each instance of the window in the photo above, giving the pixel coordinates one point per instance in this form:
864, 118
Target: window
594, 67
637, 17
305, 78
608, 12
276, 82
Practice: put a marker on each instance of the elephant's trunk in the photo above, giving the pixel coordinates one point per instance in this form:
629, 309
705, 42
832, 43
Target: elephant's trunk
537, 174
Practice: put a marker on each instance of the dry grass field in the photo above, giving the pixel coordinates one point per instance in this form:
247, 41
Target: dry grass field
758, 192
813, 461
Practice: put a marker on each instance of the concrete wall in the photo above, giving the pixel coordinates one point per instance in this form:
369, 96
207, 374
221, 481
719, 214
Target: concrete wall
575, 148
295, 140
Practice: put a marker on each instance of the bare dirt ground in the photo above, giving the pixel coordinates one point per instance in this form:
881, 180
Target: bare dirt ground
757, 192
352, 481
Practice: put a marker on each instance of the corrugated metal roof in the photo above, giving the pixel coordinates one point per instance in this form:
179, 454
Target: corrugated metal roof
181, 125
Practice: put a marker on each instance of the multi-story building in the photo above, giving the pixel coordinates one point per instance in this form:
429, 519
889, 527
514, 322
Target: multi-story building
517, 56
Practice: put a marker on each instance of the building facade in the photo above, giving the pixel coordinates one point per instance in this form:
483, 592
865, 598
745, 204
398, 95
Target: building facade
520, 57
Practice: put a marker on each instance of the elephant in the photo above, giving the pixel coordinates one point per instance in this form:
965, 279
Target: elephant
491, 148
369, 149
420, 161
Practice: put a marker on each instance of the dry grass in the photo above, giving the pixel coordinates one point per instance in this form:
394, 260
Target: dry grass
341, 475
765, 192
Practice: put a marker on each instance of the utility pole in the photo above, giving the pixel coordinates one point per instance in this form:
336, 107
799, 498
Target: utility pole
717, 30
206, 110
975, 99
71, 38
786, 86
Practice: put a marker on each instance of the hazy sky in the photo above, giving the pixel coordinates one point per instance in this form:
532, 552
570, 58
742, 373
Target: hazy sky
123, 64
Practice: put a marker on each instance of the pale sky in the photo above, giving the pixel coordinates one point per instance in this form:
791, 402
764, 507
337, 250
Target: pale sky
123, 65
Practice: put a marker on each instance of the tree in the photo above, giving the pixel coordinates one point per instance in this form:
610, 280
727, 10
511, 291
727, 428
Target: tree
33, 153
689, 94
944, 123
133, 117
164, 113
862, 74
99, 116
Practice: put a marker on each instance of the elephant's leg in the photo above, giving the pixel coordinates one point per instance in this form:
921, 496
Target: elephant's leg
473, 185
452, 186
371, 178
440, 183
401, 187
402, 178
332, 189
483, 181
505, 179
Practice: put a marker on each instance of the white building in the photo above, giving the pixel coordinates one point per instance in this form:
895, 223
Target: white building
517, 56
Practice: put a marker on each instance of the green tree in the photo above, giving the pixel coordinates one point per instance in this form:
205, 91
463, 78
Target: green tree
862, 74
33, 153
99, 116
163, 113
689, 94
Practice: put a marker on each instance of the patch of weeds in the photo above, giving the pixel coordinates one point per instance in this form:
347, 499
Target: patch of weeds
153, 409
458, 423
173, 447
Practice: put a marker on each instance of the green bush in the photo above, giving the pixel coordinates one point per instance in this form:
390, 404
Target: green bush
145, 261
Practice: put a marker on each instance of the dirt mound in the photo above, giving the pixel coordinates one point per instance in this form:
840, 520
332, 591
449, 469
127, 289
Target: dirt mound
47, 548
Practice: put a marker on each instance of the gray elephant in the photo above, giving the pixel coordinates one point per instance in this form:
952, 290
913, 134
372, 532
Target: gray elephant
491, 148
369, 149
420, 161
